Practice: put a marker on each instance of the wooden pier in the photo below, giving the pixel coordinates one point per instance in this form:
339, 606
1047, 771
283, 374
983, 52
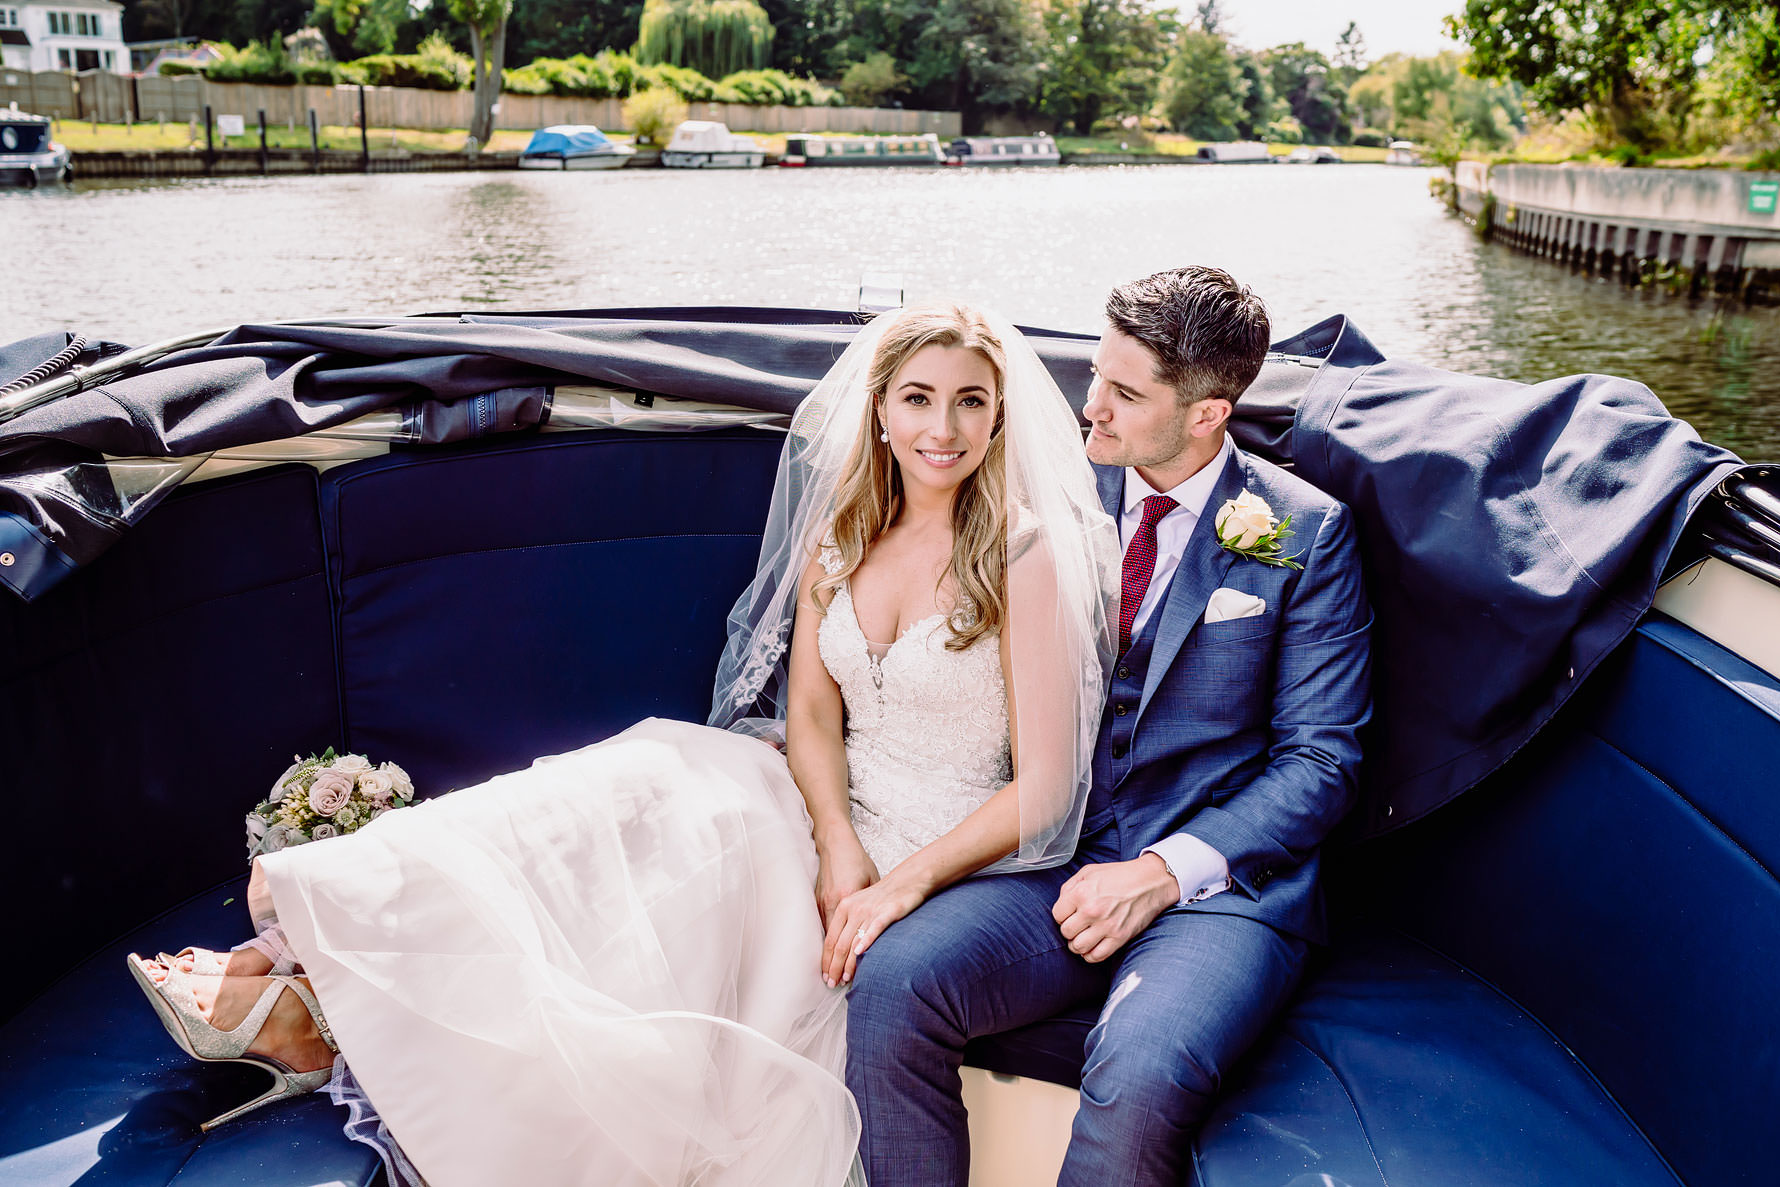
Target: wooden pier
1692, 232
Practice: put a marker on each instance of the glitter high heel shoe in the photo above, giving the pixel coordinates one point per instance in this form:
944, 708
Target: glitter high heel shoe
178, 1011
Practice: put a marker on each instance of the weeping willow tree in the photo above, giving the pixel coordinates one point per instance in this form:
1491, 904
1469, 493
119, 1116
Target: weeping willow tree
714, 37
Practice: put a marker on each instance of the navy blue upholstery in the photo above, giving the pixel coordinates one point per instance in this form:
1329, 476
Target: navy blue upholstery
1566, 977
146, 700
92, 1090
1618, 881
502, 603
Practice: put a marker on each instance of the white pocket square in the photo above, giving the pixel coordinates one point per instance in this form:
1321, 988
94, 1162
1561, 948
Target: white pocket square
1227, 603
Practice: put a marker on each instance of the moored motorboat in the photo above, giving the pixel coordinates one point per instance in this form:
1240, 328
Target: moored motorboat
982, 151
28, 156
1235, 152
803, 150
442, 541
707, 144
574, 146
1404, 152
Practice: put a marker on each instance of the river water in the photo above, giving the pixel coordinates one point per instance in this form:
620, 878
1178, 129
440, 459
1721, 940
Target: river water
134, 261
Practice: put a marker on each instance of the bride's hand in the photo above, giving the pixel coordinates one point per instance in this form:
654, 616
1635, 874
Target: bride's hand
841, 869
860, 919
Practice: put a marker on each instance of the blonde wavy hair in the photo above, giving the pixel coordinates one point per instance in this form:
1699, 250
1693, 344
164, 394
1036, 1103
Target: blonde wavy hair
871, 496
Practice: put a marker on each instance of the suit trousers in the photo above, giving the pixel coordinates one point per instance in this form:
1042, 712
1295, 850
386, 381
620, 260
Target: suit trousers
1183, 1001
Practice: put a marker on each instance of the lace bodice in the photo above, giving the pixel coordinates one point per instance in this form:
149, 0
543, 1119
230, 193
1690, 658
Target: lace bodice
927, 734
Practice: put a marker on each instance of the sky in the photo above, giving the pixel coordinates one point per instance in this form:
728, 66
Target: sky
1401, 26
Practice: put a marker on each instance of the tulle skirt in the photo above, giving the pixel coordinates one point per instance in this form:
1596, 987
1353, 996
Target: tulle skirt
599, 970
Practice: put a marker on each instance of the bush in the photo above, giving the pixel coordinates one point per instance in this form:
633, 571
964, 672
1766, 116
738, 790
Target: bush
776, 87
1372, 138
178, 66
683, 81
653, 114
436, 66
1285, 131
260, 61
872, 82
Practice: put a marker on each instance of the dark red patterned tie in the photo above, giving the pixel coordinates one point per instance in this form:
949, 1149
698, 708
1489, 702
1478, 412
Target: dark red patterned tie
1140, 565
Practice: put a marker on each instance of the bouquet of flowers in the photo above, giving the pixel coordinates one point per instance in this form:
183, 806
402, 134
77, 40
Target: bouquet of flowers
325, 796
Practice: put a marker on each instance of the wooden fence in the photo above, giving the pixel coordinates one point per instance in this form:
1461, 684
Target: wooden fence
116, 98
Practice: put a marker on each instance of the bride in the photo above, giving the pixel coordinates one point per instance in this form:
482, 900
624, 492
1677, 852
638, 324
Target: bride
606, 968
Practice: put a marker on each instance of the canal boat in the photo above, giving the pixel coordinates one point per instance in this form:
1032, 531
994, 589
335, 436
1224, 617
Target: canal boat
1404, 152
823, 151
1309, 154
567, 147
990, 151
706, 144
28, 155
1235, 152
460, 541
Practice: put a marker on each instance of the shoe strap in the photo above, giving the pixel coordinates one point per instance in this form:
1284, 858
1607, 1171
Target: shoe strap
314, 1008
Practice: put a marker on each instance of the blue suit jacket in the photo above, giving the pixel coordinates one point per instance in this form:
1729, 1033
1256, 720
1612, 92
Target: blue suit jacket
1246, 730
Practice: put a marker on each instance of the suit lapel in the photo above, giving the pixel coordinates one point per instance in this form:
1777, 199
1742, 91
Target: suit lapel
1202, 568
1111, 480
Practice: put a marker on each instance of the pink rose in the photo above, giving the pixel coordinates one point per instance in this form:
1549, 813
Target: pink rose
329, 793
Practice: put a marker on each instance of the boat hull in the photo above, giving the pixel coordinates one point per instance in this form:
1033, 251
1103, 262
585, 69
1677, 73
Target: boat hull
674, 159
557, 164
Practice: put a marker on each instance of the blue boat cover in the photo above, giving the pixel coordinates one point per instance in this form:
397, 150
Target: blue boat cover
567, 140
1513, 534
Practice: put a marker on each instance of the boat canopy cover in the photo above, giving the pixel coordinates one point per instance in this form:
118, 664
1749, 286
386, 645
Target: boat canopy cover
708, 136
1512, 534
569, 140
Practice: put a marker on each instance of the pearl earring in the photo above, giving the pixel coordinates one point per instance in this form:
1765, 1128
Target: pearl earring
884, 436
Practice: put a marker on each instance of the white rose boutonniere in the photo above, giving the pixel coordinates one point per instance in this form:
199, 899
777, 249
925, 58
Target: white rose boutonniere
1246, 526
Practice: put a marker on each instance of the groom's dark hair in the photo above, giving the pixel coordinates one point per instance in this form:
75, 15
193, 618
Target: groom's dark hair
1209, 335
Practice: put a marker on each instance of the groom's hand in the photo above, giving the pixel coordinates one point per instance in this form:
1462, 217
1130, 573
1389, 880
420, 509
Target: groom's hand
1105, 905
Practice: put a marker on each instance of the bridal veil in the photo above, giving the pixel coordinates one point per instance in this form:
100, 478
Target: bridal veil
1062, 578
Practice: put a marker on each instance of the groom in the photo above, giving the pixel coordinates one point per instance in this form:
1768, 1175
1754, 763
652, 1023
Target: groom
1227, 752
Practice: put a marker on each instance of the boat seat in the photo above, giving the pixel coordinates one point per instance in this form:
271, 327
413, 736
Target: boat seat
93, 1091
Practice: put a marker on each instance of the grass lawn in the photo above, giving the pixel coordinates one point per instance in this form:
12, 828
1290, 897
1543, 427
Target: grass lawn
81, 136
1170, 144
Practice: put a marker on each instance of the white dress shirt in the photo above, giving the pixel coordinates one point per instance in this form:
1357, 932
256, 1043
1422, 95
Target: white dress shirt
1201, 870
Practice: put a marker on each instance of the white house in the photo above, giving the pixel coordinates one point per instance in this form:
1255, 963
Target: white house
43, 35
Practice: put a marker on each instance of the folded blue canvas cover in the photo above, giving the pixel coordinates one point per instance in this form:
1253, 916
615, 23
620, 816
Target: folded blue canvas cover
1512, 533
567, 140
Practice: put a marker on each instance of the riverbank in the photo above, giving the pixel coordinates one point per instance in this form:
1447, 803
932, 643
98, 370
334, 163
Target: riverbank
117, 142
1684, 231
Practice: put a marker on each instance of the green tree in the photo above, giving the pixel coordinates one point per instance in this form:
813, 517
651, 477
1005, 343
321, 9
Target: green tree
872, 82
974, 56
564, 28
807, 34
1104, 59
1350, 54
1259, 108
487, 21
1203, 88
360, 27
1630, 65
714, 37
1303, 80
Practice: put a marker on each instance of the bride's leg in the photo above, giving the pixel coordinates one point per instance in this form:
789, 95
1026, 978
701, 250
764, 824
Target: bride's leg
259, 899
265, 953
289, 1034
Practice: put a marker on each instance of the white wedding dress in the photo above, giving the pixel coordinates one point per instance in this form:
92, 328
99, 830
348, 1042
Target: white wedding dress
604, 969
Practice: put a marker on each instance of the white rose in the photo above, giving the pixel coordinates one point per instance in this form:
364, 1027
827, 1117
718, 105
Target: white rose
351, 764
377, 785
404, 786
278, 788
277, 837
323, 831
1244, 520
